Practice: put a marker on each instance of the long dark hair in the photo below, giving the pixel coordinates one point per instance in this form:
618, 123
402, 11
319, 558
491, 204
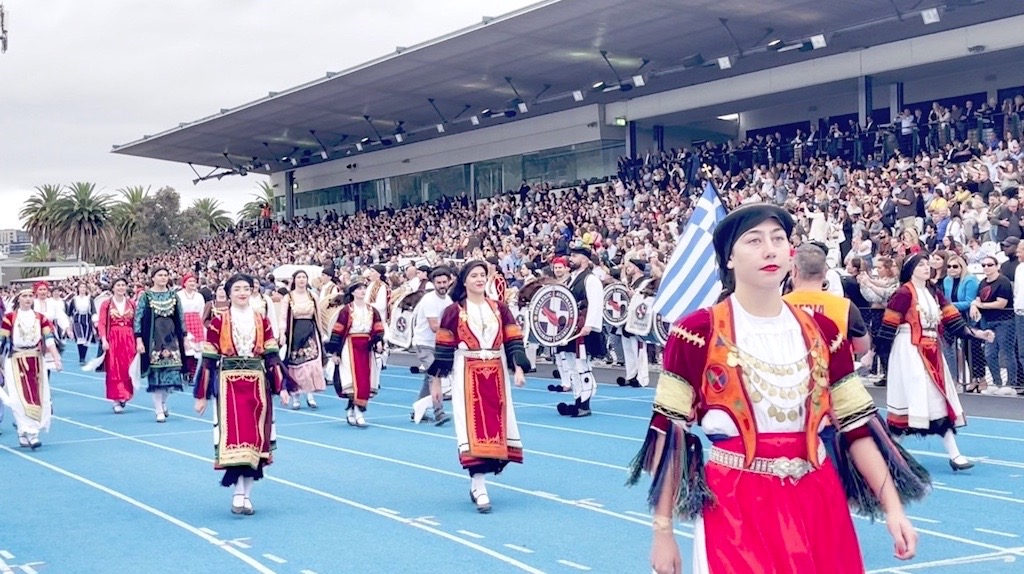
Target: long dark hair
295, 275
458, 291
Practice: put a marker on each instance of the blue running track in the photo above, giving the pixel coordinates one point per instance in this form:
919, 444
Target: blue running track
121, 493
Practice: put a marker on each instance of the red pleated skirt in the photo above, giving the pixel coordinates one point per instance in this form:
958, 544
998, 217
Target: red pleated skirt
761, 524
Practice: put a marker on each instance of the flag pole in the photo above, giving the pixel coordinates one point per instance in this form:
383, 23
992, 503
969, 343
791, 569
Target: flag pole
706, 169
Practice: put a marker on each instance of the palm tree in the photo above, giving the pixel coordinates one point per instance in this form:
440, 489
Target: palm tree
38, 253
251, 210
84, 215
125, 215
213, 217
39, 213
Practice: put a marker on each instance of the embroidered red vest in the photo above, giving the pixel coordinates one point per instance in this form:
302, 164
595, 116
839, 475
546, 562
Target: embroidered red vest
722, 386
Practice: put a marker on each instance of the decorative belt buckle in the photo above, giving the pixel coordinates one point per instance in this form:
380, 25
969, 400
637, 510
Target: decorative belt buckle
792, 468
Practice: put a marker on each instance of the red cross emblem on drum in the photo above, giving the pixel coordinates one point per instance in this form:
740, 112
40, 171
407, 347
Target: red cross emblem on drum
616, 304
553, 315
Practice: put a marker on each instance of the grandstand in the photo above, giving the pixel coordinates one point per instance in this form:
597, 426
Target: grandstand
557, 91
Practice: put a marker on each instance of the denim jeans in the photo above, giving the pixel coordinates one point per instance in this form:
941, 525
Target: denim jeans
1004, 345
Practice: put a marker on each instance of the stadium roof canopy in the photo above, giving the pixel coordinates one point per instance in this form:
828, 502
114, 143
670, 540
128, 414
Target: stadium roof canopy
541, 55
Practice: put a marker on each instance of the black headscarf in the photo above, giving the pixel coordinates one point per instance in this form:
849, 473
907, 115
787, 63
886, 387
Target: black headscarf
735, 224
458, 291
907, 271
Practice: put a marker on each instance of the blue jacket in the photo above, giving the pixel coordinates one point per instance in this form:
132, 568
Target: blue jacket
966, 292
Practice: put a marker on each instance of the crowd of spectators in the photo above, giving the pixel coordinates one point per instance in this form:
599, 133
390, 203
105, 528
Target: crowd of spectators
955, 196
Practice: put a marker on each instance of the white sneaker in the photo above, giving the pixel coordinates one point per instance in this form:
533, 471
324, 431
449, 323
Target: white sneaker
1007, 391
160, 417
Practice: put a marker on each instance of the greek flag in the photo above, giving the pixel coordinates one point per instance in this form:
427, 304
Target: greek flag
691, 277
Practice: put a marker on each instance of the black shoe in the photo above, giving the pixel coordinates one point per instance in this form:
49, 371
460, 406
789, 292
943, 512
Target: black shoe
621, 381
634, 382
582, 409
558, 389
555, 374
960, 465
414, 370
566, 410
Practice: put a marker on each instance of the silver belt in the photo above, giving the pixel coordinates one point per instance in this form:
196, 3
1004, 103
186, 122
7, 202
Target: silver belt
486, 354
792, 468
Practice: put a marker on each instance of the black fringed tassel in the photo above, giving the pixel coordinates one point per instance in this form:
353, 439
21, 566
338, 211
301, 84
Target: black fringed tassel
912, 480
682, 462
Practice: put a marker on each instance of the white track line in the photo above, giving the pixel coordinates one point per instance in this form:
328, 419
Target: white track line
962, 560
599, 510
6, 555
252, 562
991, 491
469, 544
574, 565
273, 558
996, 532
518, 548
470, 534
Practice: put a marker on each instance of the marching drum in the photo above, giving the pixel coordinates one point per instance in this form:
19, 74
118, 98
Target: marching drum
400, 328
553, 315
616, 305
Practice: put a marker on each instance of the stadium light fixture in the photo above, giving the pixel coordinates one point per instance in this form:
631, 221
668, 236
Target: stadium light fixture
522, 108
776, 44
638, 81
931, 16
725, 62
597, 85
399, 138
440, 128
475, 120
359, 146
577, 95
620, 121
818, 42
730, 118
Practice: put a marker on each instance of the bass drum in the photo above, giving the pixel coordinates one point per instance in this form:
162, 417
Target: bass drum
616, 305
554, 316
659, 332
640, 320
400, 328
522, 303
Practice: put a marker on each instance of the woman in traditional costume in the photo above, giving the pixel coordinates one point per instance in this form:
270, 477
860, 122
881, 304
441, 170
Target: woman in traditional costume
117, 338
764, 380
357, 334
25, 335
192, 307
160, 340
921, 395
478, 342
242, 372
217, 307
301, 333
81, 310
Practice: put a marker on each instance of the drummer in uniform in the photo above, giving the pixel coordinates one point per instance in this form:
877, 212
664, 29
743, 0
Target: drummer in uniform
634, 347
590, 342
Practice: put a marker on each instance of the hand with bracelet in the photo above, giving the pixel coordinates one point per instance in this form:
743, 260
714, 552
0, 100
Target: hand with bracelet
665, 557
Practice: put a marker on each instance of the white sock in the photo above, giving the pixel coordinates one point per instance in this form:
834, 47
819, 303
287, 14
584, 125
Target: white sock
163, 398
240, 487
949, 441
477, 483
158, 402
247, 482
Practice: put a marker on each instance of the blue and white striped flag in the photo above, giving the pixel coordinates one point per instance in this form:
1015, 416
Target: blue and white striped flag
691, 277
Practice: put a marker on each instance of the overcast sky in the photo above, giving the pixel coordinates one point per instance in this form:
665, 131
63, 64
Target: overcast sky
80, 76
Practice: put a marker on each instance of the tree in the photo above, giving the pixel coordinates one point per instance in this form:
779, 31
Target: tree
39, 214
125, 216
83, 220
38, 253
213, 217
162, 225
251, 210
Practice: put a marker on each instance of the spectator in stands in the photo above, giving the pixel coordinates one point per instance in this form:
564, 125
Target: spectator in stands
994, 308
